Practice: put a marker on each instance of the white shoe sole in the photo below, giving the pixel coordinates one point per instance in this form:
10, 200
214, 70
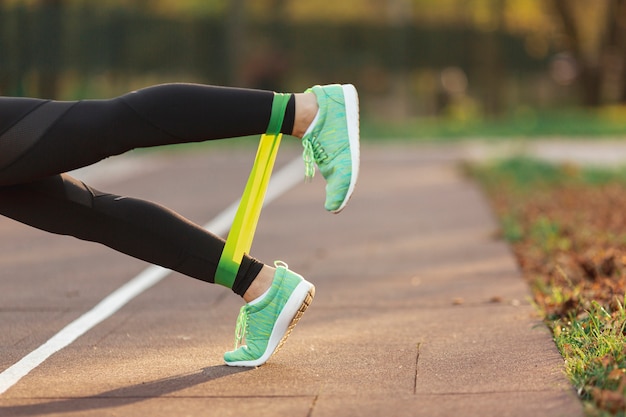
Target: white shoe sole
351, 98
295, 307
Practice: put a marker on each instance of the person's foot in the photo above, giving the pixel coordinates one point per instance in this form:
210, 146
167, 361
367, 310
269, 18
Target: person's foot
265, 324
333, 142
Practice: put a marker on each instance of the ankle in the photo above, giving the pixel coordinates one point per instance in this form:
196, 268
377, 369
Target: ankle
261, 284
306, 110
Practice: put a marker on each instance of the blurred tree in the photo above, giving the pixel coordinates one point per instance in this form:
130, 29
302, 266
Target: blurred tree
267, 58
596, 38
235, 41
50, 32
488, 55
617, 38
500, 46
4, 76
16, 30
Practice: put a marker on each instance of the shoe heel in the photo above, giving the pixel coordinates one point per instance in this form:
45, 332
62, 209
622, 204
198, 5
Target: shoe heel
308, 299
351, 100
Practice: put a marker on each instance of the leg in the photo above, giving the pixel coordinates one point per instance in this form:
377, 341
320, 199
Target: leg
40, 138
138, 228
62, 205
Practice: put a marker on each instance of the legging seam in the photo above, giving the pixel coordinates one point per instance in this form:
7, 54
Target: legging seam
27, 150
26, 114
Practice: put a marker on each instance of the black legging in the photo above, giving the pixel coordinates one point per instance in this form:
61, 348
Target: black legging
40, 140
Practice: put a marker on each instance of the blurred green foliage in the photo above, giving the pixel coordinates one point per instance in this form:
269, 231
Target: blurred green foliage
425, 68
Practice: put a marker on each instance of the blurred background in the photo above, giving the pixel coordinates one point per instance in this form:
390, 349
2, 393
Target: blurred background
424, 68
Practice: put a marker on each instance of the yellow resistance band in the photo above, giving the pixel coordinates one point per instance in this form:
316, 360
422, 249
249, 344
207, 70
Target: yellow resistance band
241, 233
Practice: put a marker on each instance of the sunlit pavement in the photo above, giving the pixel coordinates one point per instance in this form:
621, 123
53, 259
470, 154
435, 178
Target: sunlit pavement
419, 310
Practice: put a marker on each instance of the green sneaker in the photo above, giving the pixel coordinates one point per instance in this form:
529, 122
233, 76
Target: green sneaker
333, 142
266, 325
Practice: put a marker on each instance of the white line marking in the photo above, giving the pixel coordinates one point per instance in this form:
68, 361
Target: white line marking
280, 183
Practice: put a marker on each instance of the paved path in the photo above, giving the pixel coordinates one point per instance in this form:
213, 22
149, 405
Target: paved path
419, 311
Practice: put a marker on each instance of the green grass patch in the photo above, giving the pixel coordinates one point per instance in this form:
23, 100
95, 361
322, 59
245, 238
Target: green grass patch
523, 123
564, 225
594, 348
524, 174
